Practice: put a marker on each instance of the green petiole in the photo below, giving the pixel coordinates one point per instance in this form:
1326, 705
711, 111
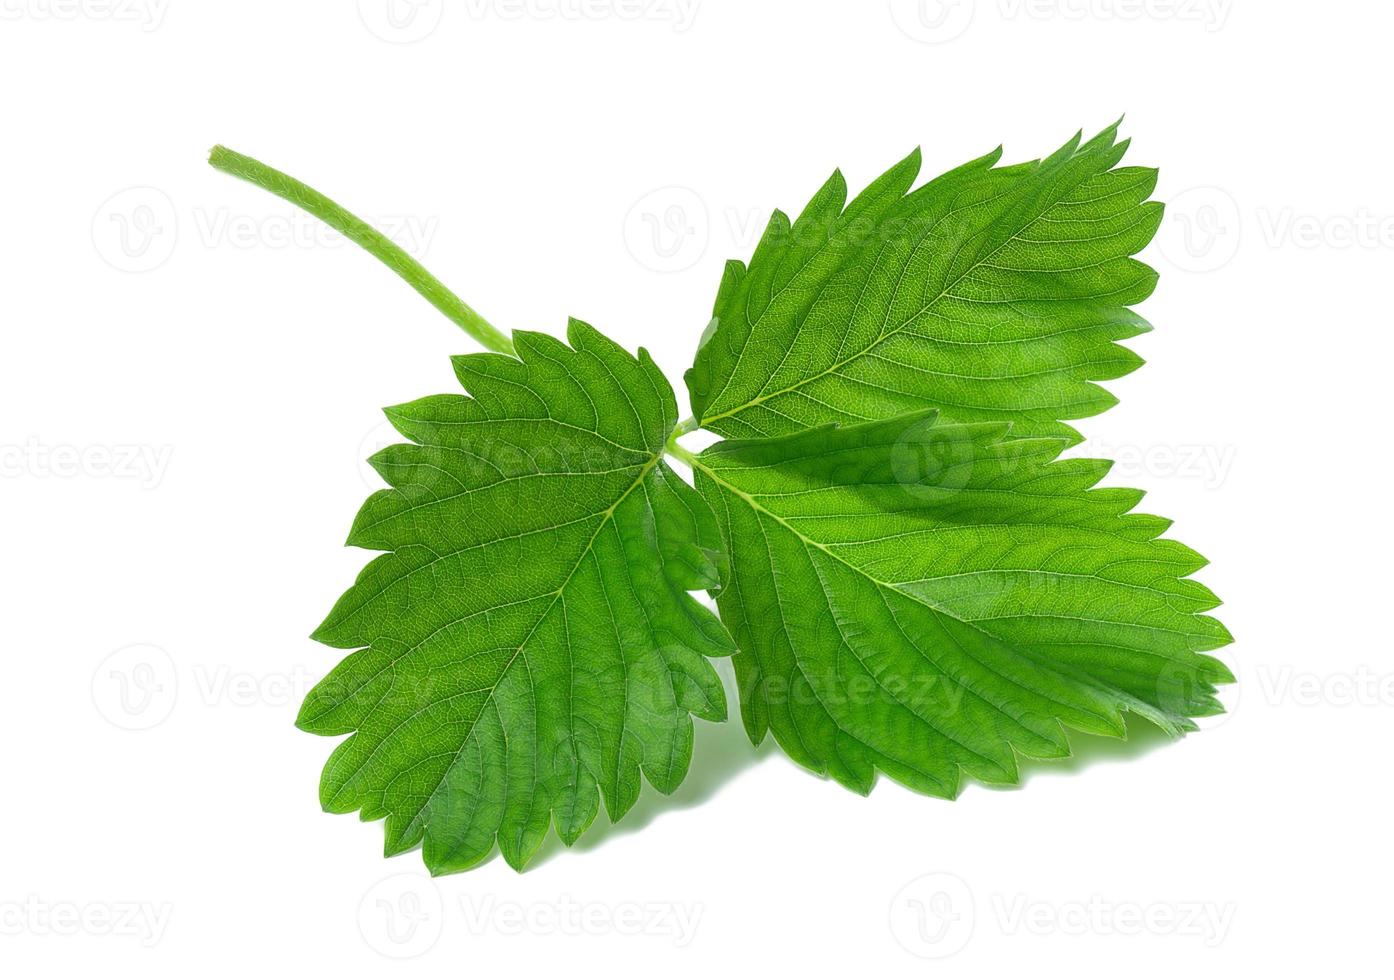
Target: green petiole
369, 238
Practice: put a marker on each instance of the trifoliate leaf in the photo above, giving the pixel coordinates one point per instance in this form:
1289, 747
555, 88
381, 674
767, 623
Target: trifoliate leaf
991, 293
928, 599
527, 644
917, 583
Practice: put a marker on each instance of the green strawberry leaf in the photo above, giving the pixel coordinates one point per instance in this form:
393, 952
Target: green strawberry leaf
991, 293
917, 584
527, 644
928, 600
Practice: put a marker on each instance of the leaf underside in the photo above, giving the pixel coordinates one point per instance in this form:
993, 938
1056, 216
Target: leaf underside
528, 644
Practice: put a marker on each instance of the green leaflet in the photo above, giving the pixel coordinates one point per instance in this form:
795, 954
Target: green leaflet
527, 644
927, 599
990, 293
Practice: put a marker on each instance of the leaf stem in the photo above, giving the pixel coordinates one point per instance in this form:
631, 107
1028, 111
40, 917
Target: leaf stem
679, 451
369, 238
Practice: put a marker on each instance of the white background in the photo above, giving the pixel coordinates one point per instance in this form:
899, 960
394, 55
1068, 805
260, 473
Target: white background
192, 375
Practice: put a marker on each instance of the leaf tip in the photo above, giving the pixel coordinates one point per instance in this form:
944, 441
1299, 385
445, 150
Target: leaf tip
516, 859
303, 719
